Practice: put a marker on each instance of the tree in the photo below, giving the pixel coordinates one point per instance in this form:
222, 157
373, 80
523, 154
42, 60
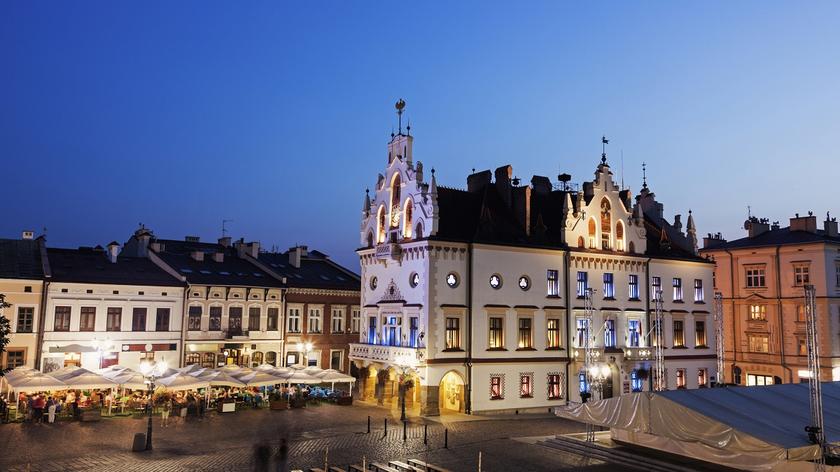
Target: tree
5, 330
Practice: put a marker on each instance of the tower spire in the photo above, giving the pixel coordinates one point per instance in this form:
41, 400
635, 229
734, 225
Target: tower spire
400, 106
644, 175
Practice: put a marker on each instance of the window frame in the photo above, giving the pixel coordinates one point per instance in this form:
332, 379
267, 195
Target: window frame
676, 282
252, 317
452, 333
64, 316
552, 277
582, 283
139, 313
525, 333
554, 339
698, 340
633, 287
609, 286
755, 276
294, 316
192, 317
272, 318
526, 385
496, 334
217, 317
699, 291
162, 313
25, 321
678, 333
113, 313
337, 314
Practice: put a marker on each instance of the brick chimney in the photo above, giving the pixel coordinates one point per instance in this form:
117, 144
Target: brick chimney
756, 227
478, 180
225, 241
804, 223
830, 226
712, 240
503, 184
296, 254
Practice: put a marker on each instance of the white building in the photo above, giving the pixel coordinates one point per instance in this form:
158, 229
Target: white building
478, 293
104, 309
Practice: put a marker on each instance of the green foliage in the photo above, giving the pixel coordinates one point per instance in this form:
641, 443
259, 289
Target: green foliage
5, 330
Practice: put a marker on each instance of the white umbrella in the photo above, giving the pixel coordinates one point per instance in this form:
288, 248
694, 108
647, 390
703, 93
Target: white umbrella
297, 367
313, 370
332, 375
132, 380
65, 372
179, 381
265, 367
300, 378
36, 382
222, 379
111, 370
260, 379
85, 380
21, 372
189, 369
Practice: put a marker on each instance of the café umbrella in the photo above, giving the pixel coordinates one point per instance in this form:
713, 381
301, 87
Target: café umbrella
179, 381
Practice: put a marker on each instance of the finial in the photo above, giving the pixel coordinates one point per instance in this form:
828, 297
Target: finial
604, 142
408, 127
367, 191
644, 175
433, 170
400, 106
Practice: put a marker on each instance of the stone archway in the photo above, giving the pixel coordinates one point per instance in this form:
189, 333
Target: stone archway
452, 393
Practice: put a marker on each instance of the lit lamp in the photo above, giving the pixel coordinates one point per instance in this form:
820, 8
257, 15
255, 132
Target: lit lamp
305, 348
151, 371
102, 347
405, 363
598, 374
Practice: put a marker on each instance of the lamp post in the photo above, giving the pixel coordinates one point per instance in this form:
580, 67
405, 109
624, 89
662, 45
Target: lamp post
405, 363
305, 348
151, 371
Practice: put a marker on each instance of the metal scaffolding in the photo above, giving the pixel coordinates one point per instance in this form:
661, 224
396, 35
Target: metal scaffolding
588, 342
816, 430
719, 344
659, 353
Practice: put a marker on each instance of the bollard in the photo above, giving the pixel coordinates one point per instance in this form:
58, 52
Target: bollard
425, 434
446, 438
405, 436
386, 427
368, 424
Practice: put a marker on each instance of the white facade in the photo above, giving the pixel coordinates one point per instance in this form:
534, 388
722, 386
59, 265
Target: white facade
104, 342
492, 326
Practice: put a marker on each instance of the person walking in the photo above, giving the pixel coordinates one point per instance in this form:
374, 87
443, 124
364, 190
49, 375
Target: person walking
164, 414
51, 407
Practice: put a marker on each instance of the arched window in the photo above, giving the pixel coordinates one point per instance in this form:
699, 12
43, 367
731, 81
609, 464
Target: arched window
408, 214
593, 229
370, 239
632, 248
395, 200
418, 230
380, 228
271, 358
606, 224
581, 242
619, 235
257, 358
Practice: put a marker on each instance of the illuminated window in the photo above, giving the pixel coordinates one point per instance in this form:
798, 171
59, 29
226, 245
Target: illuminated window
553, 278
679, 333
699, 296
606, 224
525, 333
380, 225
680, 378
395, 200
758, 342
192, 358
496, 333
553, 331
699, 333
633, 330
609, 285
619, 236
582, 284
800, 313
452, 280
497, 391
702, 377
609, 333
637, 383
524, 282
655, 333
526, 385
633, 287
593, 229
656, 288
582, 332
678, 291
802, 345
555, 389
755, 276
496, 281
758, 312
759, 380
62, 318
453, 333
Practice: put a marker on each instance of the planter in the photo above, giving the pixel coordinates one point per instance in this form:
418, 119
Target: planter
345, 401
297, 403
91, 415
278, 405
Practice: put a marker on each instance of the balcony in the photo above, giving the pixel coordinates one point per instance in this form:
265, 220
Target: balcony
638, 353
388, 251
385, 354
596, 354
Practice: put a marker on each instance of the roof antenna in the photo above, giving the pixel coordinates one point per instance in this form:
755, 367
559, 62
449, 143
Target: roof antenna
400, 106
604, 142
644, 175
622, 169
749, 212
224, 227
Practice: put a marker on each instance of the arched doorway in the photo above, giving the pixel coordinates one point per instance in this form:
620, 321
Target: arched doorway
452, 393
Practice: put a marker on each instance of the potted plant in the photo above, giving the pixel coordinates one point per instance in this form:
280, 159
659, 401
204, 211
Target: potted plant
276, 401
298, 400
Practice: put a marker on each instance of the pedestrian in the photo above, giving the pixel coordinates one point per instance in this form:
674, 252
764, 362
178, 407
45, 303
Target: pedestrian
164, 414
51, 407
40, 405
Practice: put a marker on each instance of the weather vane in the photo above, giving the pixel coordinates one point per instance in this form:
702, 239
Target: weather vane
604, 142
400, 106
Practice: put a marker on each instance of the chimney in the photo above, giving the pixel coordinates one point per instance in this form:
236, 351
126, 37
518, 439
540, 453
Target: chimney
830, 226
678, 223
712, 240
775, 226
756, 227
296, 254
541, 185
804, 223
197, 255
503, 185
521, 206
143, 237
478, 180
157, 246
224, 241
219, 256
113, 251
252, 249
192, 239
26, 234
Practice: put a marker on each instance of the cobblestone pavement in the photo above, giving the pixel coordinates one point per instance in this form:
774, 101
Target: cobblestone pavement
227, 443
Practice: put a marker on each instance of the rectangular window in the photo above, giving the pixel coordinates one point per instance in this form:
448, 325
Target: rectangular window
336, 358
113, 321
679, 333
759, 380
755, 276
87, 320
495, 337
801, 274
678, 293
413, 331
758, 342
802, 345
553, 278
138, 319
702, 377
273, 320
62, 318
700, 333
194, 318
609, 285
453, 333
15, 358
680, 378
582, 332
555, 391
235, 321
162, 319
526, 386
837, 274
314, 321
496, 392
25, 319
337, 320
254, 315
656, 333
582, 284
553, 331
215, 318
293, 320
355, 321
633, 333
656, 288
371, 334
633, 287
525, 334
699, 296
800, 313
758, 312
609, 333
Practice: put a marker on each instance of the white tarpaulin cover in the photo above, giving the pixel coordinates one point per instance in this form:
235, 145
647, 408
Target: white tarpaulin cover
754, 428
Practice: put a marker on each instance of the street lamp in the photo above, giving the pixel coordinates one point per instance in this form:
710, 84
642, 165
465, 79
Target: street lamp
305, 348
598, 374
151, 371
102, 347
406, 363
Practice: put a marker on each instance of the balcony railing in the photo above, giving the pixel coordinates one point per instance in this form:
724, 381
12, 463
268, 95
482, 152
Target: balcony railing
388, 251
596, 354
638, 353
385, 354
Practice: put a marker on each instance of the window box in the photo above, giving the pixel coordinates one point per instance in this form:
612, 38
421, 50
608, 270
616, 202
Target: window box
526, 349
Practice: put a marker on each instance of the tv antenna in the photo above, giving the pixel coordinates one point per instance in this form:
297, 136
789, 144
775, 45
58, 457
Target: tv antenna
224, 227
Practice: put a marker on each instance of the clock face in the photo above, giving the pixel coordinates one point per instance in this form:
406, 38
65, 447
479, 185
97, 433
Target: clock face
452, 280
524, 283
495, 281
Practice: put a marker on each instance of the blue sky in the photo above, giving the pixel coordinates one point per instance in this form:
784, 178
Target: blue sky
276, 115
